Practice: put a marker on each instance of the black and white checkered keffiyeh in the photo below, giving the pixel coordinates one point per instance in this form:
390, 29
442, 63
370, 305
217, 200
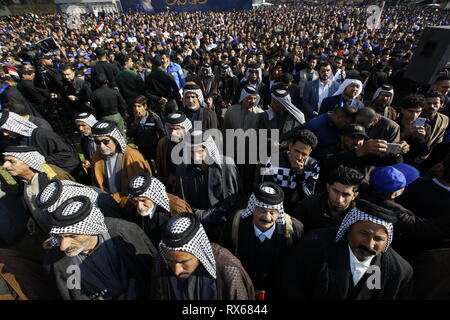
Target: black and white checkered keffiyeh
196, 90
199, 139
254, 202
113, 132
283, 97
13, 122
287, 177
93, 224
186, 123
88, 118
199, 245
32, 158
356, 215
66, 189
156, 191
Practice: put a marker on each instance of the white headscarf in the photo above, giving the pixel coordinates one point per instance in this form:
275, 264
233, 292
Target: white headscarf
249, 91
286, 102
380, 90
346, 83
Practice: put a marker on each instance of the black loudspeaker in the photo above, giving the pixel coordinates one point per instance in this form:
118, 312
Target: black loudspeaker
431, 55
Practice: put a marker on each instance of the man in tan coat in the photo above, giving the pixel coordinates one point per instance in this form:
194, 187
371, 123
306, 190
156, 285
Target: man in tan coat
114, 163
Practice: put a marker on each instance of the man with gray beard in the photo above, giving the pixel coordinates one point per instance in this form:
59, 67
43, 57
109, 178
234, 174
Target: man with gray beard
94, 257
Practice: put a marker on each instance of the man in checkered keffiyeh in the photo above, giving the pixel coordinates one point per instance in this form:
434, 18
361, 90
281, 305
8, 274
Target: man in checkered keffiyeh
96, 248
356, 263
28, 164
151, 201
261, 234
189, 267
115, 164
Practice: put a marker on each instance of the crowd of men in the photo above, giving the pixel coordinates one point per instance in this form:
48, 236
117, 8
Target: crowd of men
352, 200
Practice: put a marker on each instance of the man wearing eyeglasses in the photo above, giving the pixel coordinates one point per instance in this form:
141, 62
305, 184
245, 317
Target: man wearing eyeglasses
114, 163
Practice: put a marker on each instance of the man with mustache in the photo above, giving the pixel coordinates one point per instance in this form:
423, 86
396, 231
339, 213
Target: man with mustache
261, 235
328, 208
101, 258
381, 102
356, 263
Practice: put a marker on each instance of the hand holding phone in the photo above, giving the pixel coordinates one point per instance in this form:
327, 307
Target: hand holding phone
394, 148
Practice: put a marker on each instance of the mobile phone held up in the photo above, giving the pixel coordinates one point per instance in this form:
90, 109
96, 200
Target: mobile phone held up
420, 122
394, 148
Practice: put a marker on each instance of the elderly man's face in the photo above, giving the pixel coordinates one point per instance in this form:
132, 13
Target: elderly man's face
340, 196
183, 264
143, 205
352, 90
74, 244
192, 101
16, 167
83, 128
265, 218
366, 239
106, 145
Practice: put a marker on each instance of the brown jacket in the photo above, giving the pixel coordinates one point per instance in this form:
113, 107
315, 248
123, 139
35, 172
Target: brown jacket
133, 164
26, 279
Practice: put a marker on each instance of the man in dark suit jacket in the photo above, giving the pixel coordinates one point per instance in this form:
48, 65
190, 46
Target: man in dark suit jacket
356, 263
347, 93
316, 91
